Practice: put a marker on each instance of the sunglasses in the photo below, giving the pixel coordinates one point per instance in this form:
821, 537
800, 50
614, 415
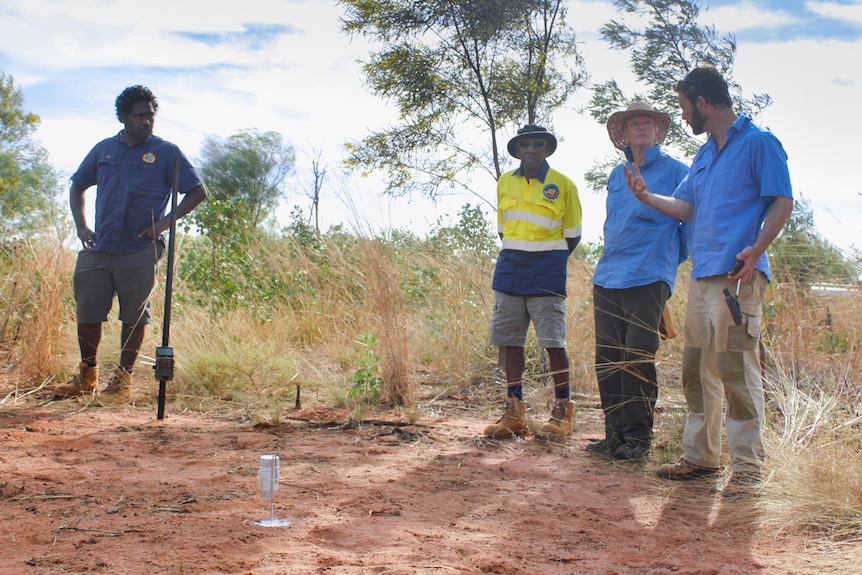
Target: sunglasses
534, 143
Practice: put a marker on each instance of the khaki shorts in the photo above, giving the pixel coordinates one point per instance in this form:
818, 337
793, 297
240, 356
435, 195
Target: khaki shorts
131, 277
512, 314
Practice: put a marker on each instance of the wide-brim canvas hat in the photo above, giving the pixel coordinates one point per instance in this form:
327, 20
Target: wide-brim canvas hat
617, 122
532, 132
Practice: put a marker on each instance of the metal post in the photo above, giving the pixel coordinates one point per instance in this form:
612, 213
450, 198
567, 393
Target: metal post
164, 366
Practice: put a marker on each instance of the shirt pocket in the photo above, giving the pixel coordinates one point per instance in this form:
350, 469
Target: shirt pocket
107, 167
149, 180
507, 202
548, 201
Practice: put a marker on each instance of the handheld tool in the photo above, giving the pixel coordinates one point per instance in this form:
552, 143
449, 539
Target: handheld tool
732, 301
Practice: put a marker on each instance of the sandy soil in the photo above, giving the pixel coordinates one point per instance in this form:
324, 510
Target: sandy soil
89, 489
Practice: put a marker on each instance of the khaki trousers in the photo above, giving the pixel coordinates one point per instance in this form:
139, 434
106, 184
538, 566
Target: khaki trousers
722, 361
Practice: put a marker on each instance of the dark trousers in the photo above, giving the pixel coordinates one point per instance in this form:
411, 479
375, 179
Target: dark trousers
627, 340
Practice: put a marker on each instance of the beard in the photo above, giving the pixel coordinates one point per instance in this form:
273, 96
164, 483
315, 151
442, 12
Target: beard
697, 122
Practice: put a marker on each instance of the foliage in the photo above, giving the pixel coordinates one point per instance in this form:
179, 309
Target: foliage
664, 42
803, 255
304, 234
456, 68
472, 236
590, 252
244, 174
366, 379
29, 185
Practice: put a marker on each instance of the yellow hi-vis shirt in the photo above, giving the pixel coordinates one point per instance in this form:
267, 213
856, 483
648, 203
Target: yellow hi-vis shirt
539, 221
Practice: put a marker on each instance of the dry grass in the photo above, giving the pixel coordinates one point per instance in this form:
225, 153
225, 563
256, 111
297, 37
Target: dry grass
388, 319
813, 389
429, 311
36, 296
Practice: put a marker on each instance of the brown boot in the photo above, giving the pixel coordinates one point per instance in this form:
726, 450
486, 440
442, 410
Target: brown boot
119, 388
513, 423
684, 470
562, 419
85, 382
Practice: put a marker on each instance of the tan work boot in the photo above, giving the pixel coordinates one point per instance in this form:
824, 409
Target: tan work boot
562, 419
84, 382
119, 388
513, 423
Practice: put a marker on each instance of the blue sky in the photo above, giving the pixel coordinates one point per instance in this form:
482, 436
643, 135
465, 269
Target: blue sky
283, 65
794, 19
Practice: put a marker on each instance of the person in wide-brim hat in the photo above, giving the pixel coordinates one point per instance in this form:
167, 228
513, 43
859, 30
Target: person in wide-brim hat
532, 132
632, 282
617, 123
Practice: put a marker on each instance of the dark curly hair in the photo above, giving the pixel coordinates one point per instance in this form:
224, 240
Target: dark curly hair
131, 96
708, 82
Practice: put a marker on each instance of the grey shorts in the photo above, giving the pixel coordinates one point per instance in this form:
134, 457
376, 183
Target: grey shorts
132, 277
512, 315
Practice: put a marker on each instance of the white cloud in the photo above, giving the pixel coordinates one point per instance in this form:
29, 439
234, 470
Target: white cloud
836, 11
586, 17
809, 116
77, 55
747, 14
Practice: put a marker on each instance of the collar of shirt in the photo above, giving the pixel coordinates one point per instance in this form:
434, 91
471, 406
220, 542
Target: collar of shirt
121, 140
543, 172
742, 122
650, 154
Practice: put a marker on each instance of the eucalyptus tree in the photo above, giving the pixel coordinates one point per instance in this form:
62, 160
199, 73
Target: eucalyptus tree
29, 185
664, 39
245, 175
461, 74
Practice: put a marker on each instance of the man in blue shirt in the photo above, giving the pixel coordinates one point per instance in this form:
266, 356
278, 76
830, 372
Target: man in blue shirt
737, 195
133, 174
539, 222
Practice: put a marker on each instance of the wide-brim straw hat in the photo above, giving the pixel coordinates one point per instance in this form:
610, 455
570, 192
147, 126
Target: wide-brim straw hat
532, 131
617, 122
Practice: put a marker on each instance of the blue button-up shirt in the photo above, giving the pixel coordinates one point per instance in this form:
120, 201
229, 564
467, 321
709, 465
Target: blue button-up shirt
642, 245
731, 190
133, 188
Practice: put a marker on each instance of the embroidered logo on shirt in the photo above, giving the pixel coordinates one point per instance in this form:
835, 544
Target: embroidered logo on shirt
149, 158
551, 192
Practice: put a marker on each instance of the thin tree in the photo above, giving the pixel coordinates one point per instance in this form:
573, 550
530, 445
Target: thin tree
318, 178
461, 73
664, 42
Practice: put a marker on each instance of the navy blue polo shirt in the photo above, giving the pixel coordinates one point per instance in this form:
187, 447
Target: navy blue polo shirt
133, 188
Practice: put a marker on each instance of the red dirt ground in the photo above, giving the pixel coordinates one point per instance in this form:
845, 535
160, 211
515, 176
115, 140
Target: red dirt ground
116, 491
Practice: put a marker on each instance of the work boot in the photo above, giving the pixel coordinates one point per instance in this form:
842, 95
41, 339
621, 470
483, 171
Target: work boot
562, 419
513, 423
632, 449
742, 483
119, 388
604, 447
84, 382
683, 470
